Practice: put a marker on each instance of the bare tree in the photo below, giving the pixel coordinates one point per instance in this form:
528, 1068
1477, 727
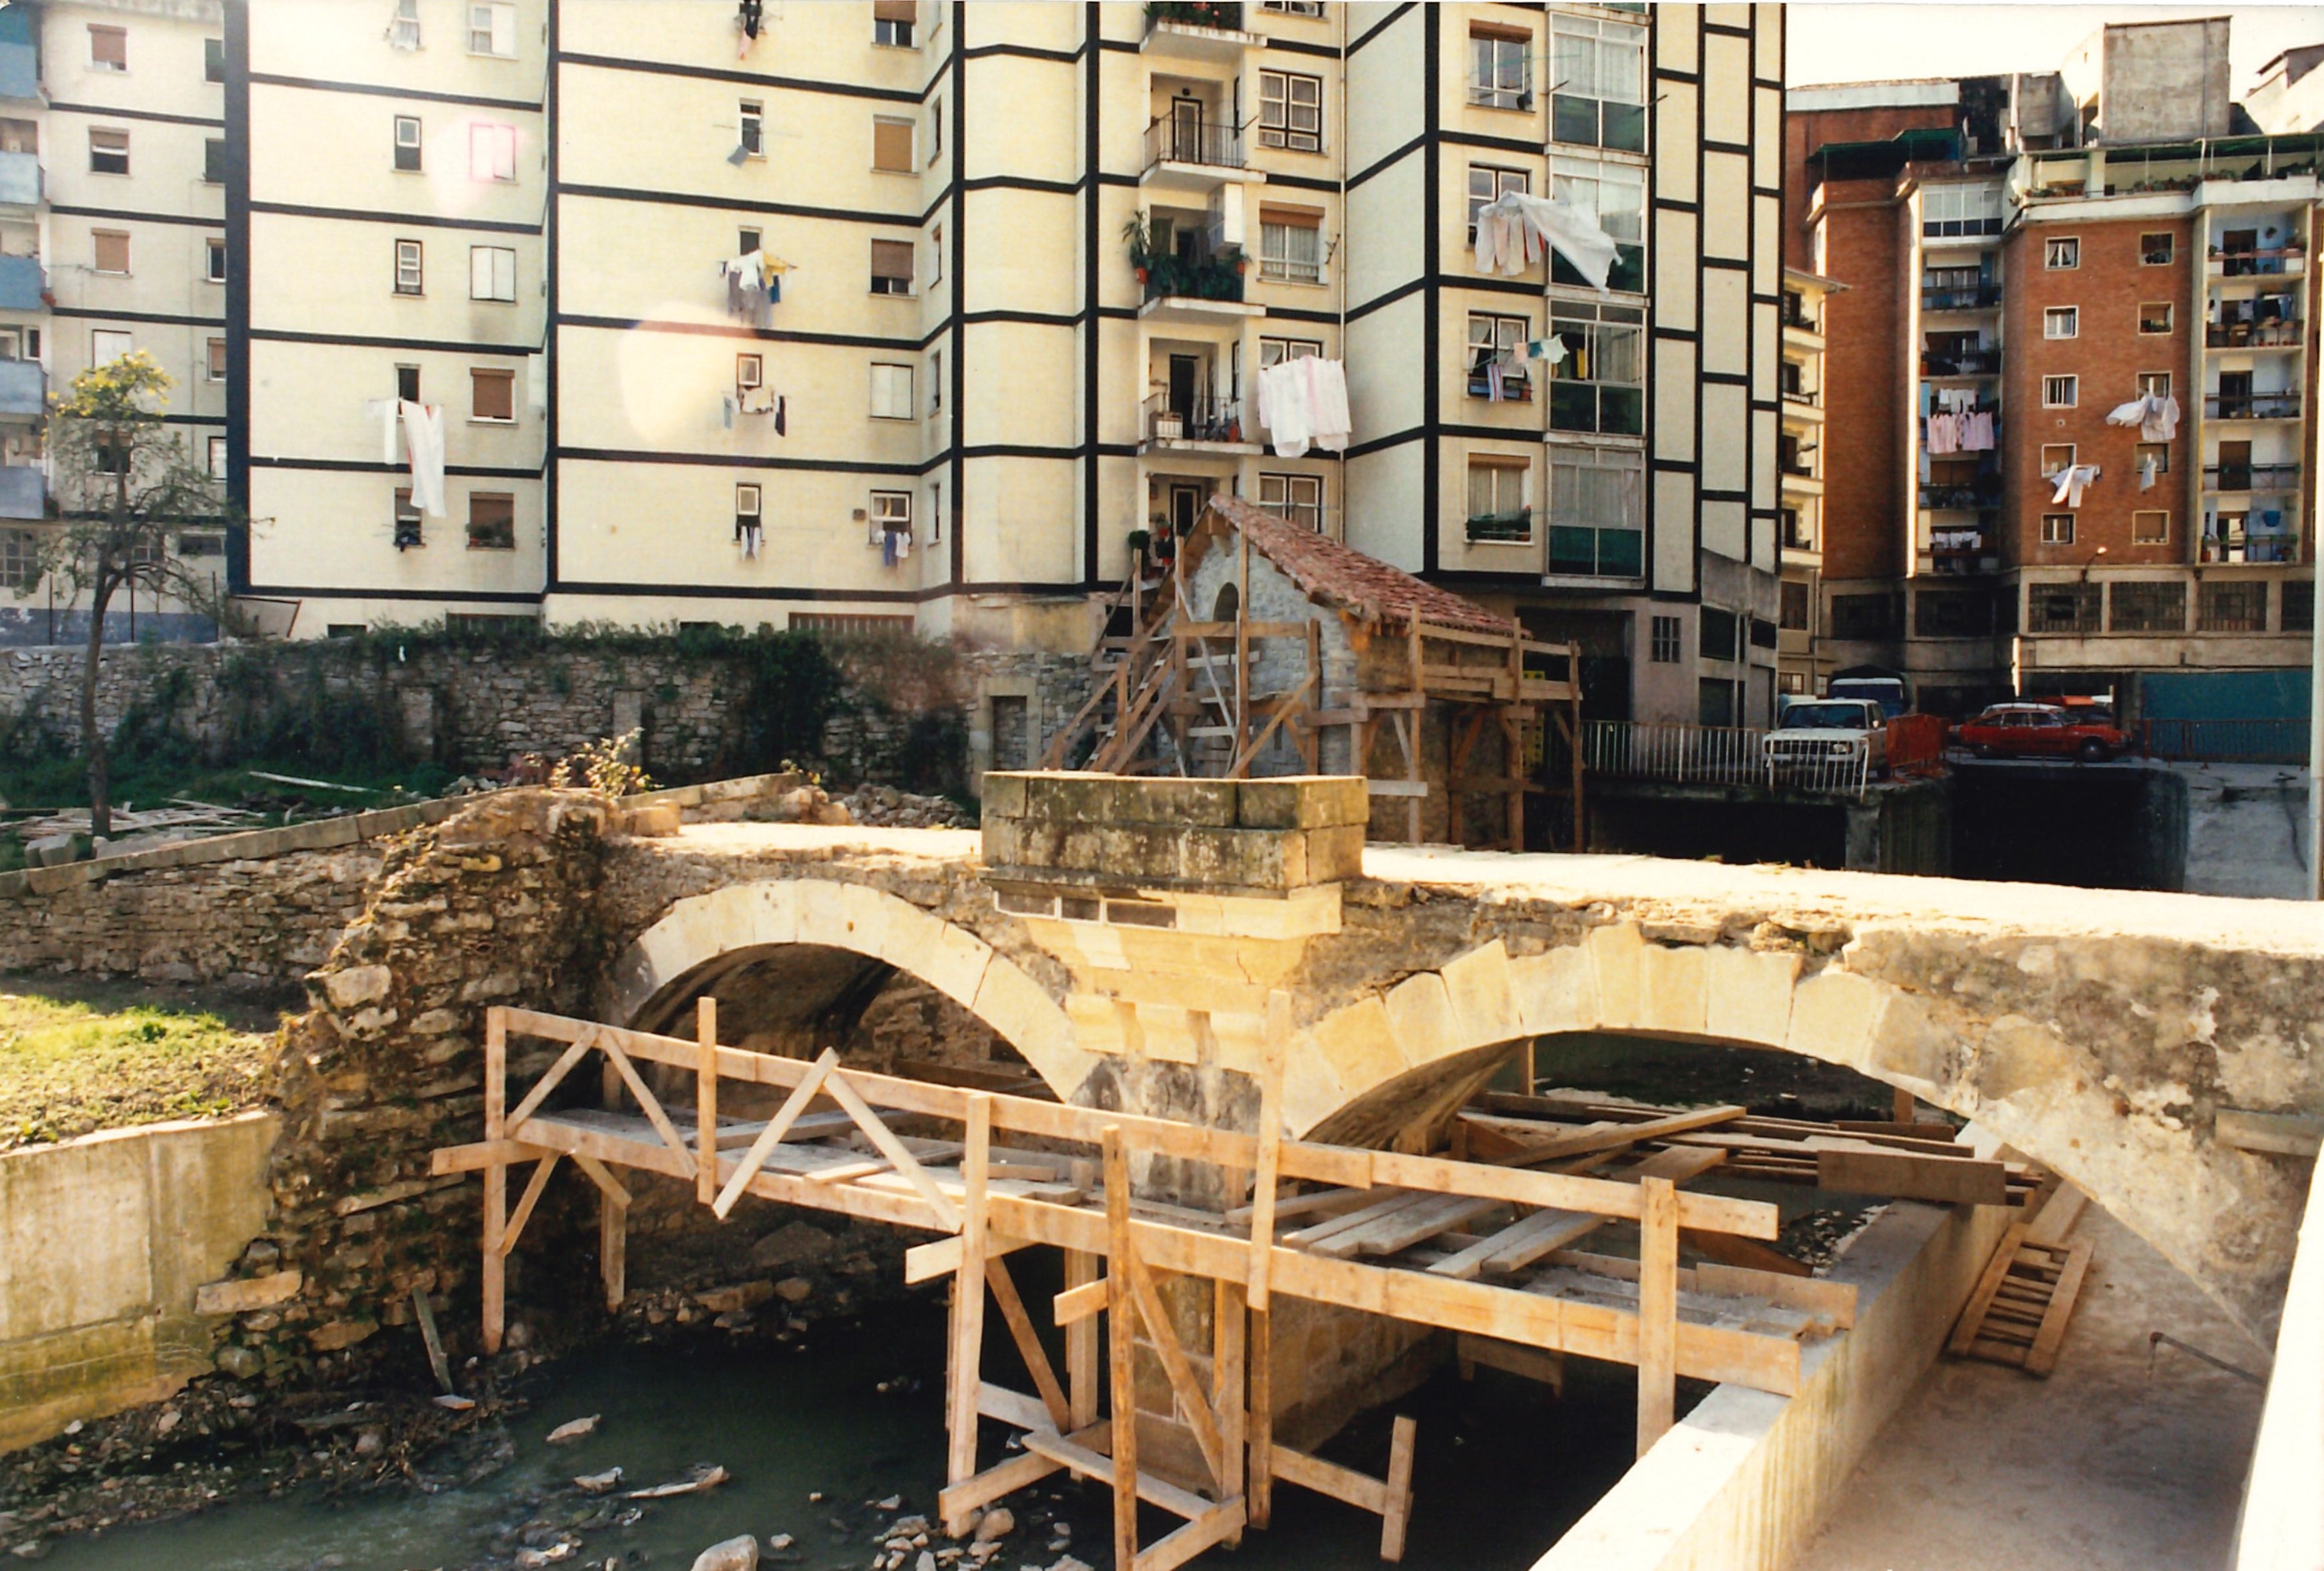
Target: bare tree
123, 481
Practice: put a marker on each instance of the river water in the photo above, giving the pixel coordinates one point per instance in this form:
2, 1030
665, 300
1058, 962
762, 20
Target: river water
1501, 1469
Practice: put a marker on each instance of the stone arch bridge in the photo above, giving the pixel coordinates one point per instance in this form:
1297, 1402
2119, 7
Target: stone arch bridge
1126, 936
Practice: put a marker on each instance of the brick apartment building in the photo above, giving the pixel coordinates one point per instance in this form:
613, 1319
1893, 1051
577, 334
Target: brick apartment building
2026, 255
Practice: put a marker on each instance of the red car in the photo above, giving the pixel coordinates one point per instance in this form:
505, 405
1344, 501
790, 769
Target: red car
2039, 731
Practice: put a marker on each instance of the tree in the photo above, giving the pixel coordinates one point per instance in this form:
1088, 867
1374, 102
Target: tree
124, 480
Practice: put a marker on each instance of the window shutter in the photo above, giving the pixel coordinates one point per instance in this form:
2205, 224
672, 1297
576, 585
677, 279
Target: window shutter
891, 145
504, 30
891, 258
895, 10
480, 273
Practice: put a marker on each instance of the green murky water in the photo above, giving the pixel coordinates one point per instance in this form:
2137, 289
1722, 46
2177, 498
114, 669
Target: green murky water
1501, 1469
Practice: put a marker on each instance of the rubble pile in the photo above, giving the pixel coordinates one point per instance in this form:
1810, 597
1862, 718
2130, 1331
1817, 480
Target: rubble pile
889, 808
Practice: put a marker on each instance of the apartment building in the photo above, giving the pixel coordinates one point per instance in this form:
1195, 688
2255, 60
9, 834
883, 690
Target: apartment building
1802, 666
1012, 272
111, 238
2027, 256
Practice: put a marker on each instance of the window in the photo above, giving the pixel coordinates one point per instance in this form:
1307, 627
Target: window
891, 512
407, 143
1597, 512
1313, 8
1488, 184
2239, 604
2057, 529
213, 59
1500, 501
403, 31
1949, 210
201, 545
407, 267
1291, 111
214, 161
1599, 383
492, 152
215, 366
748, 240
2058, 391
1715, 632
2056, 253
2154, 250
750, 372
111, 456
1276, 351
2154, 318
891, 22
1293, 498
108, 49
20, 559
935, 129
1598, 74
492, 519
109, 151
935, 382
106, 344
891, 145
2149, 607
747, 504
1791, 614
217, 457
492, 395
492, 30
2056, 456
1792, 684
936, 255
891, 267
752, 117
1500, 66
491, 272
1663, 651
891, 392
1615, 196
2150, 527
2061, 322
2157, 382
2158, 454
1290, 247
110, 250
2063, 607
410, 532
406, 384
1490, 338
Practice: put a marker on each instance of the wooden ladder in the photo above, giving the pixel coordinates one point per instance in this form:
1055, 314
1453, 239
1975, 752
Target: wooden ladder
2018, 1314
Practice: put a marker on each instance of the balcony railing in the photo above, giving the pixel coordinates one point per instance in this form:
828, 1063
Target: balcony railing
23, 388
1795, 315
20, 71
2251, 476
1226, 18
2277, 335
1803, 395
1203, 417
1214, 277
21, 183
1689, 755
23, 281
1982, 496
2254, 406
1964, 298
23, 492
1202, 141
2258, 263
1501, 528
1961, 362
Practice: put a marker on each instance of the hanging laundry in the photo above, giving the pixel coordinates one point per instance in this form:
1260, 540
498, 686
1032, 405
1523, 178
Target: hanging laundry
1549, 351
2070, 481
747, 534
753, 286
726, 410
1495, 391
758, 401
780, 405
1515, 227
1977, 432
1284, 410
1944, 434
1327, 400
2146, 473
423, 435
2156, 416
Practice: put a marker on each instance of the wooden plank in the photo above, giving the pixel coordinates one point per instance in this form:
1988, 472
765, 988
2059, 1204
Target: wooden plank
1261, 1489
1081, 1345
1730, 1251
1605, 1136
1526, 1362
1121, 1337
806, 1091
2057, 1217
548, 1083
924, 1263
1013, 1408
1079, 1453
1229, 1328
1004, 1478
1275, 1035
1185, 1385
968, 1288
476, 1157
1321, 1233
883, 1137
1398, 1515
1945, 1180
1029, 1342
1519, 1244
1973, 1313
495, 1278
1180, 1545
1406, 1227
532, 1197
1359, 1489
2042, 1357
1397, 788
601, 1176
1658, 1311
705, 1099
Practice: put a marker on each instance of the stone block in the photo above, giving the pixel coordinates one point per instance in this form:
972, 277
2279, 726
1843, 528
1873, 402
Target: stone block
822, 913
1204, 804
1557, 991
1004, 795
1833, 1016
357, 985
340, 1334
1671, 988
652, 820
1315, 801
1478, 985
1170, 1033
1421, 1012
1013, 1004
1066, 797
1312, 1092
866, 913
1614, 959
1238, 1039
1748, 993
1334, 854
1100, 1024
1359, 1042
239, 1295
1909, 1044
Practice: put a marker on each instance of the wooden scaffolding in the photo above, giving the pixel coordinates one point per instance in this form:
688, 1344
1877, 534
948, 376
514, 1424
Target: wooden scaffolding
1481, 1248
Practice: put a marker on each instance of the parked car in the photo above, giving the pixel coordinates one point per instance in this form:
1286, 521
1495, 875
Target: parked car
1828, 742
2041, 731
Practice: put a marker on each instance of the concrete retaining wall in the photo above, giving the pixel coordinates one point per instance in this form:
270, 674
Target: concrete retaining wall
1743, 1480
106, 1243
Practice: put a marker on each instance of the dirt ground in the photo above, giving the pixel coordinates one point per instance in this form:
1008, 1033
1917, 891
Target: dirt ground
2129, 1455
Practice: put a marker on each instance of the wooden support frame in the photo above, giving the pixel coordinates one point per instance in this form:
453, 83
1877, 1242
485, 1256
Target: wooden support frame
965, 1365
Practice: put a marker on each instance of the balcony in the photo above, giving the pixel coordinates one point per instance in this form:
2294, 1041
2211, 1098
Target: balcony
20, 71
21, 181
1592, 551
1503, 529
1971, 297
1795, 313
2253, 406
23, 492
2277, 335
2281, 261
1961, 498
23, 281
1204, 144
1196, 288
2273, 478
1211, 33
23, 388
1199, 423
1516, 387
1961, 362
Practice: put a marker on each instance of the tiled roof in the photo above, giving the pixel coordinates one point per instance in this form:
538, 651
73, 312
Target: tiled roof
1346, 579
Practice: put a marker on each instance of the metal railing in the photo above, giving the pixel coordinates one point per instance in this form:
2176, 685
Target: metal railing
1203, 418
1794, 315
2258, 263
1689, 755
2251, 476
1961, 496
1198, 277
1226, 17
2254, 406
2276, 335
1965, 298
1170, 140
1961, 362
1806, 395
2224, 741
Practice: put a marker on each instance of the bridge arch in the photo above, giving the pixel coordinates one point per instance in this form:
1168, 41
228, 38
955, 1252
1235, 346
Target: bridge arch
738, 923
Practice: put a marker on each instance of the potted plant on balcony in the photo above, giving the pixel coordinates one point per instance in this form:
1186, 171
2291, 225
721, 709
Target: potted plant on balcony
1141, 541
1138, 233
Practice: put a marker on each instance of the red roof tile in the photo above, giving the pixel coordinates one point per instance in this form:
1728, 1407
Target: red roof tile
1345, 578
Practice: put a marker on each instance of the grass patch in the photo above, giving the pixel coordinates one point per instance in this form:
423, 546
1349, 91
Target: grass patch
71, 1065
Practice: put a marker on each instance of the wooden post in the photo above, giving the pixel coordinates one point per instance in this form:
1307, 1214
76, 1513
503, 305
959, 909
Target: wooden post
1122, 1336
1228, 1330
495, 1270
1310, 740
1259, 1492
612, 1249
1513, 754
705, 1099
1573, 672
1657, 1309
1906, 1113
1398, 1515
1272, 1047
968, 1300
1081, 1335
1242, 650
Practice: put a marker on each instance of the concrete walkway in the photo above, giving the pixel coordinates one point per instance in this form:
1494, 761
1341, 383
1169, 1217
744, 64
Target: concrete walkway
2120, 1459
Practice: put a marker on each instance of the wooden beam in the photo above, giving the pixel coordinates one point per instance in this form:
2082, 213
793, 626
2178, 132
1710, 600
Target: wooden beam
925, 1262
1081, 1345
809, 1086
1261, 1493
1184, 1384
1526, 1362
889, 1146
956, 1502
1275, 1035
493, 1274
476, 1157
968, 1285
1972, 1314
1121, 1338
1605, 1136
1398, 1515
1029, 1342
1658, 1311
705, 1100
1230, 1327
531, 1198
2043, 1356
1175, 1547
1946, 1180
613, 1245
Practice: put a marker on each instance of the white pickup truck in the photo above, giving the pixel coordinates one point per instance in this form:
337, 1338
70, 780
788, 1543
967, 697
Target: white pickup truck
1828, 744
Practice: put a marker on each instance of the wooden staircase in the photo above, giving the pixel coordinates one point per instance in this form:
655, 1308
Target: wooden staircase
1132, 679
